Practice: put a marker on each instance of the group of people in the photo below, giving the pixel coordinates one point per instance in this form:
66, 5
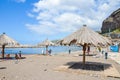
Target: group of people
86, 48
47, 51
17, 56
8, 56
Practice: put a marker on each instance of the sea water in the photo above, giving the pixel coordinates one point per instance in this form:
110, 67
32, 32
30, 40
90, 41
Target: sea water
55, 50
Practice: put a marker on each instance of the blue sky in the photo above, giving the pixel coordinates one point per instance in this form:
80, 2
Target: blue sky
32, 21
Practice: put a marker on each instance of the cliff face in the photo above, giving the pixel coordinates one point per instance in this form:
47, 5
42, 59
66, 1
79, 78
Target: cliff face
112, 22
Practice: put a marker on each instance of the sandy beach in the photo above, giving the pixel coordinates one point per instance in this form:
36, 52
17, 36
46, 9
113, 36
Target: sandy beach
56, 67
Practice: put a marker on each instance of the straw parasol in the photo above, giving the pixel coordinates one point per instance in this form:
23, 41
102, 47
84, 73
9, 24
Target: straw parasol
46, 43
85, 36
5, 40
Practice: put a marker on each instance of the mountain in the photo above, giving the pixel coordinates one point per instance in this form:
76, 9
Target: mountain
112, 22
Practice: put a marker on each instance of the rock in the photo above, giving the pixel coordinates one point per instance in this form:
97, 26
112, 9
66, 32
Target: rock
112, 22
45, 69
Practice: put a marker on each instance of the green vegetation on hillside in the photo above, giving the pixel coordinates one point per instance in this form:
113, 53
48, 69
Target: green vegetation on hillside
116, 31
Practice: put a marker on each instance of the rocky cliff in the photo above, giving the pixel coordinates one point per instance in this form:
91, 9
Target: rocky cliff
112, 22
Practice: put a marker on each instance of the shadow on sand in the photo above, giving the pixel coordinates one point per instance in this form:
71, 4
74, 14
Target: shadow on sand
3, 68
11, 58
94, 66
88, 54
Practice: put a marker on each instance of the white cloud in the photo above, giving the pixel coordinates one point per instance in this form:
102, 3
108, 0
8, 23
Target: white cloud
46, 28
30, 15
104, 7
68, 15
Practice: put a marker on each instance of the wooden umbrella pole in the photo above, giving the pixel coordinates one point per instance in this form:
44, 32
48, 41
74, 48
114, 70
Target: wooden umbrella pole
3, 52
83, 57
84, 49
46, 49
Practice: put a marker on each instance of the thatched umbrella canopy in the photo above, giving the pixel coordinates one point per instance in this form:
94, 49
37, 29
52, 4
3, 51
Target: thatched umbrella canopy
46, 43
85, 36
5, 40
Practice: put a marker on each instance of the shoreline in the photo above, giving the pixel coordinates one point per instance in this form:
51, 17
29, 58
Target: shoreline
55, 50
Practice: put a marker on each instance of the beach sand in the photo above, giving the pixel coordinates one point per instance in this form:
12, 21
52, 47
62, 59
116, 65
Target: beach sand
55, 67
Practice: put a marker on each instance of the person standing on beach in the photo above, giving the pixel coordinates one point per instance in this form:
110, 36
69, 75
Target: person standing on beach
88, 49
20, 54
42, 51
16, 56
99, 48
69, 51
50, 51
106, 55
